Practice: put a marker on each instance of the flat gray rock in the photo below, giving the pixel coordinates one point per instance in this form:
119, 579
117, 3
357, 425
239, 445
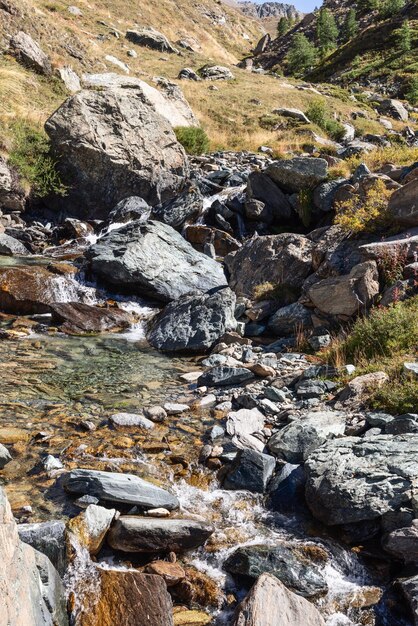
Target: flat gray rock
136, 534
260, 607
119, 489
294, 175
295, 442
223, 376
131, 419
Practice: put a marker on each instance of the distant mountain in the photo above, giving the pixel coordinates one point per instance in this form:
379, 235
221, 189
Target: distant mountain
269, 9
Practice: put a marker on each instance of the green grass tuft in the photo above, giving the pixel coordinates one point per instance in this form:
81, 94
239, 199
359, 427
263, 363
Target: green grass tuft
30, 155
193, 139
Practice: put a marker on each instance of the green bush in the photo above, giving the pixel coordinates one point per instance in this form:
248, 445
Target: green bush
193, 139
30, 155
412, 93
319, 114
397, 397
386, 332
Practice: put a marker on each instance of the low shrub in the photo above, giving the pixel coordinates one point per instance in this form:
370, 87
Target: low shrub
384, 333
412, 93
365, 213
30, 155
193, 139
319, 114
397, 397
383, 341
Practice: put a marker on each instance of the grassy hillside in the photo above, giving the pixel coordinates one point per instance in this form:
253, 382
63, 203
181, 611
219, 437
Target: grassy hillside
373, 53
236, 114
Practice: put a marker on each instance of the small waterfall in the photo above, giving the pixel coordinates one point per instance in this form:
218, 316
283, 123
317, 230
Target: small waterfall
221, 196
92, 238
240, 519
82, 581
68, 289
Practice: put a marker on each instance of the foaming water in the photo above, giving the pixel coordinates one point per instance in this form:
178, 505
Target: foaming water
93, 238
81, 580
221, 196
241, 519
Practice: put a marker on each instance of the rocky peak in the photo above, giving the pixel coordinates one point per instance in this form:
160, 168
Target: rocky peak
269, 9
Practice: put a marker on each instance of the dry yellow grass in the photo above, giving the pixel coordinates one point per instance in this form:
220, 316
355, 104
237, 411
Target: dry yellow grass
229, 114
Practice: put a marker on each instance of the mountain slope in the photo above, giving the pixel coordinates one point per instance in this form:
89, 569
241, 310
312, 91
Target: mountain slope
372, 54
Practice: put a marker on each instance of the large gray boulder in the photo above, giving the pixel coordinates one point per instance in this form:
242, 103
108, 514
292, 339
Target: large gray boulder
48, 538
284, 561
166, 97
347, 295
402, 543
31, 591
111, 144
294, 175
296, 441
355, 480
277, 207
184, 208
250, 470
150, 38
215, 72
260, 607
403, 204
283, 260
194, 323
409, 588
153, 260
119, 489
393, 108
137, 534
29, 53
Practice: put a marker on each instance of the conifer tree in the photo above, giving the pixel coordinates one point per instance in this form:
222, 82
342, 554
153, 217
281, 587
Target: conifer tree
326, 31
405, 37
302, 55
283, 26
350, 26
389, 8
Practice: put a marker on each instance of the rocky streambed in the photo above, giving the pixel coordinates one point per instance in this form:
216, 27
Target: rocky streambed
91, 403
174, 450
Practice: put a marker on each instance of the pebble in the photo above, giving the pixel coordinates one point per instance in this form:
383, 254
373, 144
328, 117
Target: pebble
205, 402
158, 512
174, 409
131, 419
155, 413
190, 377
51, 463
